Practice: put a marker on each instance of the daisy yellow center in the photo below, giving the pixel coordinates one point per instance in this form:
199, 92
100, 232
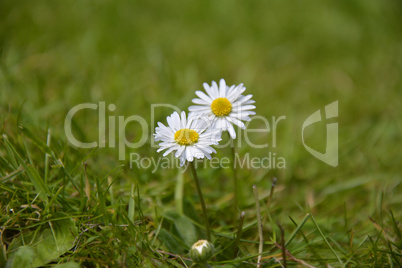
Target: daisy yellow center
186, 136
221, 107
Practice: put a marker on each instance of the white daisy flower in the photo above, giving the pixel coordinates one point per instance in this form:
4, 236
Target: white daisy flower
188, 137
224, 106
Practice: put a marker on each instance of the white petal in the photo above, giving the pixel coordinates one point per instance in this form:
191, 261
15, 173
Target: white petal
173, 124
171, 149
180, 151
203, 96
215, 87
244, 99
201, 124
236, 93
229, 90
222, 88
242, 114
201, 101
243, 107
183, 121
220, 124
232, 131
237, 122
197, 108
189, 154
182, 160
212, 92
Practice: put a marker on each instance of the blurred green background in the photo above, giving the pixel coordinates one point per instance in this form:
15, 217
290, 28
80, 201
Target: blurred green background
294, 57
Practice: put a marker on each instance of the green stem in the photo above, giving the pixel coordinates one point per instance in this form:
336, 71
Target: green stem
238, 235
260, 232
204, 209
235, 181
178, 192
47, 157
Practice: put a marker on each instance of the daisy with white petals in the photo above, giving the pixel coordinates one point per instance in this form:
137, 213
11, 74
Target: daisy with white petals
224, 106
190, 138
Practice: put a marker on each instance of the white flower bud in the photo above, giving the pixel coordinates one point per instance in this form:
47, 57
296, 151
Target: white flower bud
201, 251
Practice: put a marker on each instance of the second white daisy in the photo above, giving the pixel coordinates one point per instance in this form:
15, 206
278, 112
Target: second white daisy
224, 106
190, 138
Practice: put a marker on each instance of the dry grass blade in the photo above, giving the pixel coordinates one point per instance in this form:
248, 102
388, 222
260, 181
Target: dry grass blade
293, 258
260, 234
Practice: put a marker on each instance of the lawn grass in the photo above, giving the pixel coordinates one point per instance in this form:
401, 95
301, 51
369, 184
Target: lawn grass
86, 207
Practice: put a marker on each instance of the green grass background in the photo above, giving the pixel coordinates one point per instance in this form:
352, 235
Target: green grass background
294, 57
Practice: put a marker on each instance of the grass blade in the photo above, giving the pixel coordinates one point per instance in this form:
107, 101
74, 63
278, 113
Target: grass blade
292, 236
326, 241
102, 202
38, 142
32, 174
260, 232
131, 204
